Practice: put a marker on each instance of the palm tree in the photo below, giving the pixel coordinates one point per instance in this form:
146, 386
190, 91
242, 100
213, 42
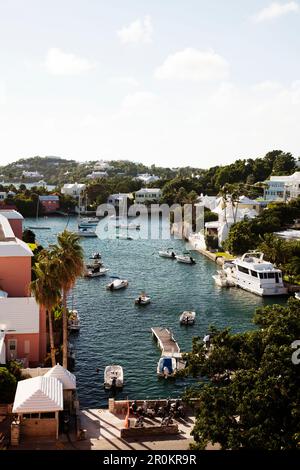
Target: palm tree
70, 255
46, 290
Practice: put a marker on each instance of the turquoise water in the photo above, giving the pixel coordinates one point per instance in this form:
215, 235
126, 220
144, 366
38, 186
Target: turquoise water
114, 330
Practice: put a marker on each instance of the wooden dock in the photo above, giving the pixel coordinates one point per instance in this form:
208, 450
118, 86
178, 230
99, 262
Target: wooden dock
168, 345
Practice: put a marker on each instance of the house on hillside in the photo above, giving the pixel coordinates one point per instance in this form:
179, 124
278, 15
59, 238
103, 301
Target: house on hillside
50, 203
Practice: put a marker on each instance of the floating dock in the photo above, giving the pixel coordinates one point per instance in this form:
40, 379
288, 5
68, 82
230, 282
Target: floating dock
168, 345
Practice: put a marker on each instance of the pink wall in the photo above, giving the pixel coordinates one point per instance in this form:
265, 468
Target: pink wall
33, 356
42, 335
15, 275
17, 227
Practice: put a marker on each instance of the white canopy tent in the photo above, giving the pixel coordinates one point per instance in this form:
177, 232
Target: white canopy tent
38, 395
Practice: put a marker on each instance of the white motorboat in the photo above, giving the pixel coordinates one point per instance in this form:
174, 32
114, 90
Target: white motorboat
169, 253
185, 258
297, 295
96, 271
167, 366
142, 299
73, 321
258, 276
93, 265
96, 256
88, 223
223, 279
85, 232
187, 318
117, 284
113, 377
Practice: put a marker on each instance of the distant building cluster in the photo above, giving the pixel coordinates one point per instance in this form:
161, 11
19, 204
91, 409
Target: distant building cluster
282, 188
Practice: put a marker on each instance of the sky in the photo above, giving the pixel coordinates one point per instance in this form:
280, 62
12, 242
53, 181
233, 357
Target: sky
165, 82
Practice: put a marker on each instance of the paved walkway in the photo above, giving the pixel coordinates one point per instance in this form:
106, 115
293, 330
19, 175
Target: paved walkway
103, 433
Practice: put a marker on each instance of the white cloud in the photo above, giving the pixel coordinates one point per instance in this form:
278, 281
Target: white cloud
139, 31
275, 10
128, 81
59, 62
194, 65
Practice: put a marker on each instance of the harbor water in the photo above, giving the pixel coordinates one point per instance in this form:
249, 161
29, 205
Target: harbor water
115, 331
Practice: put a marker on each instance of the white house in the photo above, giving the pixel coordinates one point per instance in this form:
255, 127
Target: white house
118, 199
73, 189
97, 174
102, 165
3, 195
147, 195
281, 188
146, 178
32, 174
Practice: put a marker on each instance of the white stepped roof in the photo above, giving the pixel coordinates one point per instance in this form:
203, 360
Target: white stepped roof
67, 379
38, 395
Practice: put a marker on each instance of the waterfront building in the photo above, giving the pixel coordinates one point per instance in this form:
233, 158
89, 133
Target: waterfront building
22, 321
282, 188
50, 203
147, 195
15, 220
73, 189
119, 199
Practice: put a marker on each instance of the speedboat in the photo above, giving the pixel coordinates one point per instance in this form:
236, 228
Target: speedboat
95, 256
84, 232
73, 321
297, 295
166, 366
169, 253
113, 377
88, 223
142, 299
185, 258
96, 271
117, 284
129, 226
223, 279
187, 318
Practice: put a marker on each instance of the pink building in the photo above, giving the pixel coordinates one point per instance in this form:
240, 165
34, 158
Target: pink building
22, 321
49, 203
15, 219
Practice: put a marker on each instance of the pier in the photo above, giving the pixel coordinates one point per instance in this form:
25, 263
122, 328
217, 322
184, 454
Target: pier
168, 345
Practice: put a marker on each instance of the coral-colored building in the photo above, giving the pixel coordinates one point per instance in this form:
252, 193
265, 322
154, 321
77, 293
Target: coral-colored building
49, 203
22, 321
15, 219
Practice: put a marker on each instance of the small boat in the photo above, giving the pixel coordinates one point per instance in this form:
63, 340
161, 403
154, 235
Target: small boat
166, 366
222, 279
124, 237
96, 271
113, 377
95, 256
169, 253
73, 321
95, 264
142, 299
84, 232
117, 284
37, 227
297, 295
187, 318
185, 258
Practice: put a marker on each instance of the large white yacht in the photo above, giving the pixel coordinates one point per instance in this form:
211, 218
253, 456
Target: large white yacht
256, 275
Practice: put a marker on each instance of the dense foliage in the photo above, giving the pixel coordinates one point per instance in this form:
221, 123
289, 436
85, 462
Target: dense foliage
252, 398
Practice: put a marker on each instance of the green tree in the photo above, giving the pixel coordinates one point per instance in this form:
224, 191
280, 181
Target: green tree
8, 386
69, 253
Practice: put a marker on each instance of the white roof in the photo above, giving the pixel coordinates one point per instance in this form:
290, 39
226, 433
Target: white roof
9, 244
11, 214
40, 394
67, 379
20, 314
247, 200
148, 190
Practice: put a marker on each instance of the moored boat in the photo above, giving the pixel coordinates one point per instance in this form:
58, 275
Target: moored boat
169, 253
96, 271
73, 321
185, 258
142, 299
224, 279
117, 284
113, 377
187, 318
85, 232
166, 367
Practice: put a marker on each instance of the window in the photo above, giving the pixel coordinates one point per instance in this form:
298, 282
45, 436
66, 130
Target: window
26, 346
261, 275
271, 275
47, 415
254, 273
243, 270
